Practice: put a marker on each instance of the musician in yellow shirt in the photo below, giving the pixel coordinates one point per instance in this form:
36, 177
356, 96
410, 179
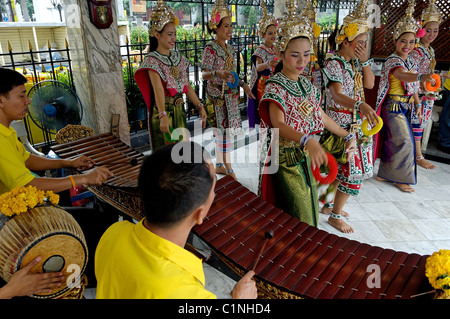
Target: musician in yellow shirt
148, 259
16, 162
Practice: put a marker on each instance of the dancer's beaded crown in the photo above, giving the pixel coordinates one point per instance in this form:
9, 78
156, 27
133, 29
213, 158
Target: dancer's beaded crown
355, 23
292, 26
431, 14
218, 12
161, 15
407, 23
266, 20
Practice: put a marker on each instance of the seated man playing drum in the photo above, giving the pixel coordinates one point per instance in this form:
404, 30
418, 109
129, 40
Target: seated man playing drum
16, 163
148, 259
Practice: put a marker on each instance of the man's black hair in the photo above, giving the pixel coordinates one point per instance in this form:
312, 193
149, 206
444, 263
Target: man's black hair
169, 190
9, 79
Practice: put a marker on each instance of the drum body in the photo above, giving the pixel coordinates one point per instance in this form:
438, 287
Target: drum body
45, 231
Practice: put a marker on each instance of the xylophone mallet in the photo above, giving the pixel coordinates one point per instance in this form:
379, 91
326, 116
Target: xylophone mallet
267, 236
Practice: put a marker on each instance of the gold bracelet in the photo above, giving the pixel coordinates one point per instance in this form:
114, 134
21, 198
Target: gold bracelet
73, 182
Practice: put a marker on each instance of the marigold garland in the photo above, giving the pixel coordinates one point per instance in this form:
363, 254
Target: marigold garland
21, 199
437, 269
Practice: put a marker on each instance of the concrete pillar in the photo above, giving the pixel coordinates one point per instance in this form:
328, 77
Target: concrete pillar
97, 68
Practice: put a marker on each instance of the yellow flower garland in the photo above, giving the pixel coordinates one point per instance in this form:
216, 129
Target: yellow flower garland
437, 269
21, 199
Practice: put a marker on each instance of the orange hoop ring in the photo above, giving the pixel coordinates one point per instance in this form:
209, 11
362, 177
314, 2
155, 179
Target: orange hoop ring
436, 86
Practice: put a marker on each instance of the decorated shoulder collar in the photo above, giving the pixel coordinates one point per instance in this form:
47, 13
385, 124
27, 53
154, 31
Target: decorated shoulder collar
172, 60
301, 88
345, 64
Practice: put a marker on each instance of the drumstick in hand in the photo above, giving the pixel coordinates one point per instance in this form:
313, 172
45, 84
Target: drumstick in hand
267, 236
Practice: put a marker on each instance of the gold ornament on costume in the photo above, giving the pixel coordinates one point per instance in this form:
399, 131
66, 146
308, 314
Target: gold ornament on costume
294, 25
266, 20
356, 23
175, 72
407, 23
219, 11
161, 15
431, 14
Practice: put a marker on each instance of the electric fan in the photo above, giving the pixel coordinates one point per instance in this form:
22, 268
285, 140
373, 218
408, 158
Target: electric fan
54, 105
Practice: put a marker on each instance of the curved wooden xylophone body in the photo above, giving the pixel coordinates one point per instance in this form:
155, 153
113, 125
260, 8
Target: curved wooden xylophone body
105, 149
302, 261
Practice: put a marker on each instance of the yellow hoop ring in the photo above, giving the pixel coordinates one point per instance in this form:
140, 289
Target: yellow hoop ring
374, 129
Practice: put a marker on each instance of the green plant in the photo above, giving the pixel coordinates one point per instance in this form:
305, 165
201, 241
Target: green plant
132, 93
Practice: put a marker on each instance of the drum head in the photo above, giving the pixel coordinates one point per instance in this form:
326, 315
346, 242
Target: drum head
60, 253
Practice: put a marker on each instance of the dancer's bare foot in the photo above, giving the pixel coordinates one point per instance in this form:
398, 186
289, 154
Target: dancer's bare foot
405, 187
340, 225
421, 161
381, 179
328, 210
220, 169
232, 174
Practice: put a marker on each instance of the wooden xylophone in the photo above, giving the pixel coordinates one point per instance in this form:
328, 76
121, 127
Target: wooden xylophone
302, 261
122, 160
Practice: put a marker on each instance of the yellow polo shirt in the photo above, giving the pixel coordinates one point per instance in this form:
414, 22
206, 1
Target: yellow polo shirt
13, 172
447, 83
131, 262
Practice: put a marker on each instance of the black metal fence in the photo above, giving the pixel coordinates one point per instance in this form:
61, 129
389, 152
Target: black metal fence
36, 66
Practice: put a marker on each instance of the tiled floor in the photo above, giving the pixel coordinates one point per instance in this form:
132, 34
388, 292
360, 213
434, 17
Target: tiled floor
381, 215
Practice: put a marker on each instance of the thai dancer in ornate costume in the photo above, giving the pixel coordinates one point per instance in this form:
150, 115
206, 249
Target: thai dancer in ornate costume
163, 79
291, 104
426, 62
222, 105
264, 60
397, 98
347, 72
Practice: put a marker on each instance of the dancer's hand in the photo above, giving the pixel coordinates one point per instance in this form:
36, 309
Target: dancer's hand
203, 116
164, 124
350, 148
369, 113
361, 52
248, 91
225, 75
427, 78
418, 112
317, 154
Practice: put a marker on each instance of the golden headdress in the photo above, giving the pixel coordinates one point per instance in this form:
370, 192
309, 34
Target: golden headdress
219, 11
160, 16
266, 20
292, 26
356, 23
431, 14
406, 23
